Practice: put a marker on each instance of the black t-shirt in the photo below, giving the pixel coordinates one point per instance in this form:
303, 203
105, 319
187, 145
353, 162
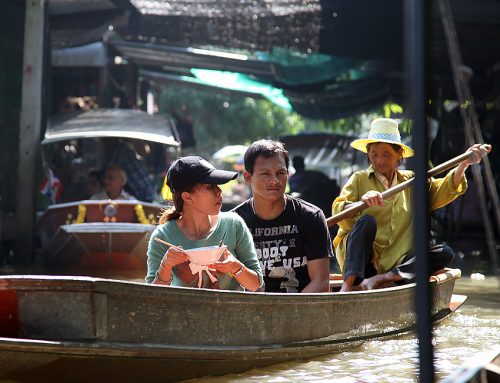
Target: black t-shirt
286, 243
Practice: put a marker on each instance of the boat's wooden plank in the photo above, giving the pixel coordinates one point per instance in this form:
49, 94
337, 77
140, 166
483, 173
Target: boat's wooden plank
157, 314
65, 315
9, 314
65, 205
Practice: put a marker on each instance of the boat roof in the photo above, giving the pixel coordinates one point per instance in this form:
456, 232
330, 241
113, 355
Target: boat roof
329, 153
125, 123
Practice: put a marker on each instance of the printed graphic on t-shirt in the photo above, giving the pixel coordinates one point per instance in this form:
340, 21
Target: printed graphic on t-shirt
279, 256
284, 244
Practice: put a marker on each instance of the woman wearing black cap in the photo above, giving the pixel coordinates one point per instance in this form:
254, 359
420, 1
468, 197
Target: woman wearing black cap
194, 221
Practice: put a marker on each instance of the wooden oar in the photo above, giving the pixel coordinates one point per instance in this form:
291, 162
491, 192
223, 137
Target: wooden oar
355, 208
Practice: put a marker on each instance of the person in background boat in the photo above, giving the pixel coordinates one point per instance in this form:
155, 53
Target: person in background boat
51, 187
114, 181
94, 182
194, 221
290, 235
374, 248
139, 184
313, 186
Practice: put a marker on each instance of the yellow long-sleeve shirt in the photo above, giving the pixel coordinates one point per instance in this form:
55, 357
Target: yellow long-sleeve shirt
394, 238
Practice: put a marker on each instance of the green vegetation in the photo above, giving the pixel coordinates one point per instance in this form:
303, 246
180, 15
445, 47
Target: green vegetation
221, 119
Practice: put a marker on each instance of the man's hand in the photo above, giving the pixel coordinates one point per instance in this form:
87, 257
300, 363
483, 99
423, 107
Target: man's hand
319, 273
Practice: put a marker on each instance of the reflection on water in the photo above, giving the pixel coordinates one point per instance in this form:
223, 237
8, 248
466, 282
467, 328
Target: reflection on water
474, 328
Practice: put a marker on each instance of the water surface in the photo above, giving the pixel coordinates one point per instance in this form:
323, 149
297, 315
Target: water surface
474, 328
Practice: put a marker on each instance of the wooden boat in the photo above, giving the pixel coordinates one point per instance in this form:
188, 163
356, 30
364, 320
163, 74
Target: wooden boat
80, 329
482, 368
100, 238
92, 237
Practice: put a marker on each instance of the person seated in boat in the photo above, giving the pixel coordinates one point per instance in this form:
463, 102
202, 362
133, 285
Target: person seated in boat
374, 248
312, 186
115, 179
195, 221
125, 154
290, 235
94, 182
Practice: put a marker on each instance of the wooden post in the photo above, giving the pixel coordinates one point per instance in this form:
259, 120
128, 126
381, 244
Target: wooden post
103, 85
30, 127
417, 14
473, 133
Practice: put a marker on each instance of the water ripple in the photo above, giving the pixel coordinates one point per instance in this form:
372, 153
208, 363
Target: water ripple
473, 329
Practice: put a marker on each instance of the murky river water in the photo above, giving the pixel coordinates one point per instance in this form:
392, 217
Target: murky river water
474, 328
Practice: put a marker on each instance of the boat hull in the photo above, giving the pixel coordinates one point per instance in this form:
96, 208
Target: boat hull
106, 327
110, 240
94, 248
36, 361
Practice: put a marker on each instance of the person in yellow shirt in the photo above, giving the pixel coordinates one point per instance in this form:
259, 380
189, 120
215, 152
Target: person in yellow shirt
374, 248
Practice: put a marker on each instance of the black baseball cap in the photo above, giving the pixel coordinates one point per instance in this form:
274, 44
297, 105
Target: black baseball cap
191, 170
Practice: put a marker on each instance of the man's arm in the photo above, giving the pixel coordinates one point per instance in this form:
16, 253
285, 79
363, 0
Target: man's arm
319, 273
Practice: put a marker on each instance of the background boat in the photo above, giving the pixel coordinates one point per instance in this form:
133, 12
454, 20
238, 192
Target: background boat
107, 237
483, 367
92, 237
81, 329
329, 153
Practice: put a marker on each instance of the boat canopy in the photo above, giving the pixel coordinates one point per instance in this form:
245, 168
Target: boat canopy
329, 153
126, 123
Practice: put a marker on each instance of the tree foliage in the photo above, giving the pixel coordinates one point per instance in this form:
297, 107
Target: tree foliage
225, 119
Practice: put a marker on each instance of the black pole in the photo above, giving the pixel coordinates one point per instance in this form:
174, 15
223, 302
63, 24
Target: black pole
416, 13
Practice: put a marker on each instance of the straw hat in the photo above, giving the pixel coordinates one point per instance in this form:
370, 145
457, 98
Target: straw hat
383, 130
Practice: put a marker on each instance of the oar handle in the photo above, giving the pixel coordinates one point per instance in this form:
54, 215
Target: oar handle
355, 208
453, 162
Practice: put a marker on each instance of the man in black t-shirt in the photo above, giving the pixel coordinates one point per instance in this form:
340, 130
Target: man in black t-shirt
290, 235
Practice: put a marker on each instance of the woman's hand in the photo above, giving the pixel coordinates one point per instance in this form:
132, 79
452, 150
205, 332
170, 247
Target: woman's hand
228, 264
479, 151
373, 198
172, 258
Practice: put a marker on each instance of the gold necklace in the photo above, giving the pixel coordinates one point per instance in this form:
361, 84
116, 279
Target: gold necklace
252, 204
